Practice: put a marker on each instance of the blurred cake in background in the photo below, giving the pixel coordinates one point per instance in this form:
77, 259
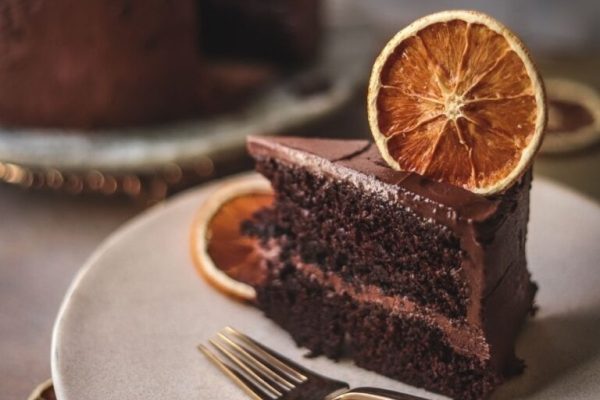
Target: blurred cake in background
110, 63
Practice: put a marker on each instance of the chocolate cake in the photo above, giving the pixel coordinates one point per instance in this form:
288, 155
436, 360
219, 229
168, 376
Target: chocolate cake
118, 63
421, 281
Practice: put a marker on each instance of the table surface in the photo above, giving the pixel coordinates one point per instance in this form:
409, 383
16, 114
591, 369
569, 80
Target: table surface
46, 237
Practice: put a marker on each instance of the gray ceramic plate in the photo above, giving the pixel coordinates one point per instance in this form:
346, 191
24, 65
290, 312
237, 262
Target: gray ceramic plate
130, 323
344, 65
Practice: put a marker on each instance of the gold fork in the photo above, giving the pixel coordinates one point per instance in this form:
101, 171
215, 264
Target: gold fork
266, 375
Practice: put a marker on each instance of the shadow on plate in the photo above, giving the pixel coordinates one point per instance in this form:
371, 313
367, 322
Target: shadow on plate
552, 346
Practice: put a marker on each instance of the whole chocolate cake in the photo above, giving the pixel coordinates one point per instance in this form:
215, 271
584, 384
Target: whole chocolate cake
100, 63
421, 281
97, 63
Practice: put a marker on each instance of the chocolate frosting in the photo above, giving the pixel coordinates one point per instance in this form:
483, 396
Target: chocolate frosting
363, 157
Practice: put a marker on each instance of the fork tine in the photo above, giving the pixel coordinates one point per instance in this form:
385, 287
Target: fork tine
269, 356
256, 363
250, 388
251, 373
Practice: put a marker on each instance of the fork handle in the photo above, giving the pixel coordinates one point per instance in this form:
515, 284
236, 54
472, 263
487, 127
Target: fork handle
369, 393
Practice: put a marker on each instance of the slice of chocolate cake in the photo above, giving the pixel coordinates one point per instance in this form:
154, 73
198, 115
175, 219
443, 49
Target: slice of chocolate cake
417, 280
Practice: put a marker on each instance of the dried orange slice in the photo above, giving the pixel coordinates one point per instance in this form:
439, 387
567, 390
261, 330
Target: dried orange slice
224, 257
455, 97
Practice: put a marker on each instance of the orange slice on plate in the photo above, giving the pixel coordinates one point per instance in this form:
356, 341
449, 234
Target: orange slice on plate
573, 116
225, 258
455, 97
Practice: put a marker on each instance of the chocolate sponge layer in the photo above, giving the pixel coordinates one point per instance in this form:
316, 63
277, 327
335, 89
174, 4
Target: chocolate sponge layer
399, 346
353, 234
